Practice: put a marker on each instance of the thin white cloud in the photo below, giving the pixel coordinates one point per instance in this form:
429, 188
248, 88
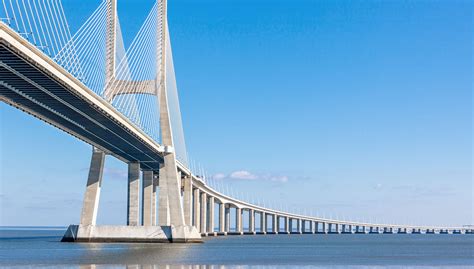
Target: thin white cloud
219, 176
243, 175
246, 175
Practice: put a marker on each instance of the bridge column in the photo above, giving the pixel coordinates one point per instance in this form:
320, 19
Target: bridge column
210, 228
252, 221
274, 224
290, 222
203, 212
238, 220
222, 218
153, 198
287, 225
227, 219
133, 191
188, 200
263, 222
278, 219
90, 204
147, 190
298, 225
197, 209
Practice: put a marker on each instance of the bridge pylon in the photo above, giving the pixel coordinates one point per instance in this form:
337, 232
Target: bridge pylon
170, 224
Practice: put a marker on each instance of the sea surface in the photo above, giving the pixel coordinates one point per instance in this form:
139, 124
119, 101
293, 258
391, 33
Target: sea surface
41, 247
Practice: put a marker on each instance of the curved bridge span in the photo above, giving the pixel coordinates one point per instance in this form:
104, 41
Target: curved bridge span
166, 201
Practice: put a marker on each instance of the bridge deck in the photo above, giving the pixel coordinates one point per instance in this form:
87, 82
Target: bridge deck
27, 86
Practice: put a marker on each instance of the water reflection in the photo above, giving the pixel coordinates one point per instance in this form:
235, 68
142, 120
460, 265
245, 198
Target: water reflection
93, 266
37, 249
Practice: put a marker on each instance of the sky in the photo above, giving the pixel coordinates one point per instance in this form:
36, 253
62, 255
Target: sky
356, 110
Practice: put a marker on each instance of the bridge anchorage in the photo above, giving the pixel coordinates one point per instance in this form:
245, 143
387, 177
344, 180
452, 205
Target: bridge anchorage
125, 104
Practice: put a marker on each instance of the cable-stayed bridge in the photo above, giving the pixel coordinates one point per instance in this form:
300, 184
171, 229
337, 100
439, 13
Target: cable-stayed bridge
124, 102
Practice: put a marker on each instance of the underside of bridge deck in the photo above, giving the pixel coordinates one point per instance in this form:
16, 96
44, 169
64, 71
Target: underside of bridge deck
39, 93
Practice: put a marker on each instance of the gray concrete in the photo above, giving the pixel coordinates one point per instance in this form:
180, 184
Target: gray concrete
170, 184
238, 220
110, 46
197, 209
187, 200
251, 221
210, 227
227, 218
222, 218
147, 191
298, 226
274, 223
130, 234
263, 223
153, 198
90, 204
133, 194
203, 213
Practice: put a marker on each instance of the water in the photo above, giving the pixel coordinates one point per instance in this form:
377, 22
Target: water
41, 248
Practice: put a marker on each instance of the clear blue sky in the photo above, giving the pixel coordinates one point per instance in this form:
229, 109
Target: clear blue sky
351, 109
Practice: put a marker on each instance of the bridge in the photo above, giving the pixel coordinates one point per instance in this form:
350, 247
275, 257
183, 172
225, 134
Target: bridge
124, 103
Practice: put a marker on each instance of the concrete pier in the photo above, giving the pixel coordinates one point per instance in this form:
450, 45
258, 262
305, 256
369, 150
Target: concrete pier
197, 209
222, 218
287, 225
298, 226
275, 224
147, 192
210, 225
188, 200
238, 221
252, 221
227, 218
129, 234
263, 223
90, 204
203, 225
133, 194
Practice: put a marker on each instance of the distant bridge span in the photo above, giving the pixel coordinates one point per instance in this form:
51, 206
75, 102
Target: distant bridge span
32, 81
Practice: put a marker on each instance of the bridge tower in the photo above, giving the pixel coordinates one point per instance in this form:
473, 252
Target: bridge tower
171, 223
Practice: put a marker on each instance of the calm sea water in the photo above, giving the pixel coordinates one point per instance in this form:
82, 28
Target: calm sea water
41, 248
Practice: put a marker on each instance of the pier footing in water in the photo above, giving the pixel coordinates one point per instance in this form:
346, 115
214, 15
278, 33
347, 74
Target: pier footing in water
132, 234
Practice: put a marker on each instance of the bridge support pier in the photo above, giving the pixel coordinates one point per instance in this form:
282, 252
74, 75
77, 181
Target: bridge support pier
133, 194
274, 224
263, 223
287, 225
153, 198
227, 219
90, 204
147, 191
238, 221
210, 229
298, 226
197, 209
188, 200
251, 221
203, 213
222, 230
